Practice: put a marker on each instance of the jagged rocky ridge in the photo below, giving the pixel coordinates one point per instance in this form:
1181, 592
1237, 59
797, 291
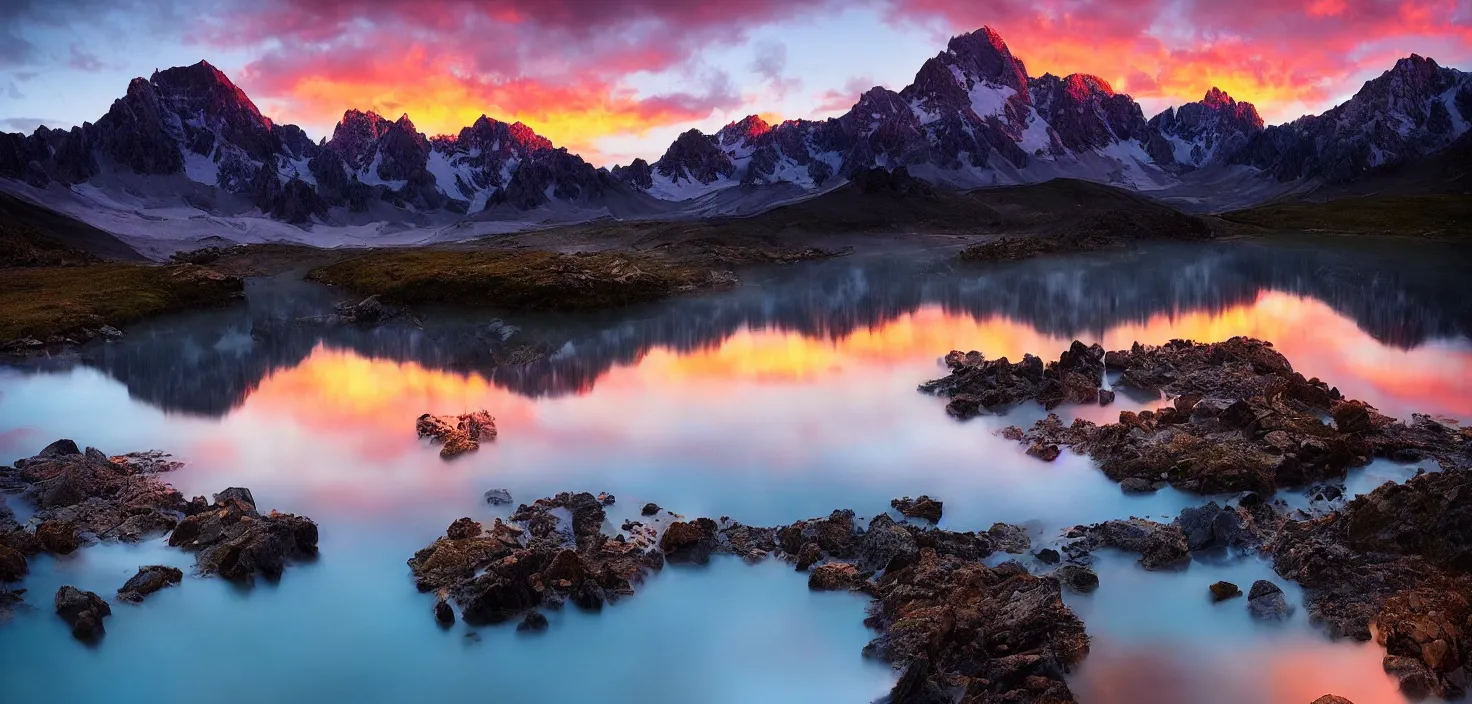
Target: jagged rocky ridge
971, 117
193, 123
974, 117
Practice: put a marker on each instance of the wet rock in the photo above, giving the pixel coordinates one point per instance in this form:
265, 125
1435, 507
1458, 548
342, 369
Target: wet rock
690, 542
1046, 452
10, 601
1241, 420
923, 507
463, 528
457, 434
834, 576
498, 497
808, 555
1222, 591
444, 614
1001, 633
533, 622
91, 494
369, 312
533, 561
1106, 397
1265, 601
1212, 527
57, 537
13, 567
1078, 579
884, 546
976, 385
235, 541
1048, 556
83, 611
149, 580
1160, 545
649, 509
1138, 485
606, 499
1009, 538
1331, 699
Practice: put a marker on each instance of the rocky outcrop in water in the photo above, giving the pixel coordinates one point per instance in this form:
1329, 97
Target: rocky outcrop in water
457, 435
87, 496
923, 507
1241, 420
149, 580
976, 385
82, 611
235, 541
1400, 558
943, 615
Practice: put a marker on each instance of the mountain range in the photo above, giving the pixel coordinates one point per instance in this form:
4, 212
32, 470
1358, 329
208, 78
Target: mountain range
186, 153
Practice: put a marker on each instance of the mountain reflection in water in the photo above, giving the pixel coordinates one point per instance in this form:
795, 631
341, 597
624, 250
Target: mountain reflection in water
784, 399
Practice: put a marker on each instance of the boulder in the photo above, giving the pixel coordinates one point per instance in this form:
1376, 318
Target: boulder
834, 576
235, 541
149, 580
13, 567
1221, 591
533, 622
690, 542
1078, 579
83, 611
1265, 601
923, 507
57, 537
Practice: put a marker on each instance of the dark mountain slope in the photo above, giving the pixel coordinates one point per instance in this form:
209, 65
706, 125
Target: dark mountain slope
31, 235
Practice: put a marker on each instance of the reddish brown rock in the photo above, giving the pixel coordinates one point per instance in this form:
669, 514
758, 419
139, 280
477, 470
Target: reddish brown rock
457, 434
923, 507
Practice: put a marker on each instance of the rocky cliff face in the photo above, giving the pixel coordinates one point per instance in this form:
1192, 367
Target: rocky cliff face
1205, 133
1410, 111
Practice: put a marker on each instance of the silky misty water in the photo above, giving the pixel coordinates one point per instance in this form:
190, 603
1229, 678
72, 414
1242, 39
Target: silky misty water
784, 399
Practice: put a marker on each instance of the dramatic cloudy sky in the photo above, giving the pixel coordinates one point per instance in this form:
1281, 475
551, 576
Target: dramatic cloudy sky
614, 79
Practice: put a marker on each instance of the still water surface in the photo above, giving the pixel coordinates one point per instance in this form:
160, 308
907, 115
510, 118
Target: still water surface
785, 399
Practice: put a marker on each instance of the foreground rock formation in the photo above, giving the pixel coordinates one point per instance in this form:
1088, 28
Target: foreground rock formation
947, 619
457, 434
1399, 558
85, 497
235, 541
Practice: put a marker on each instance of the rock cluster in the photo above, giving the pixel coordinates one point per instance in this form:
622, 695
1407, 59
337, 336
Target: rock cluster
534, 561
977, 385
944, 616
1241, 420
87, 496
235, 541
923, 507
457, 434
1400, 558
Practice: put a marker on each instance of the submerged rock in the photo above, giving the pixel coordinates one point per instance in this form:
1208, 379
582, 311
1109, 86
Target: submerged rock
13, 566
149, 580
235, 541
498, 497
649, 509
83, 611
457, 434
534, 621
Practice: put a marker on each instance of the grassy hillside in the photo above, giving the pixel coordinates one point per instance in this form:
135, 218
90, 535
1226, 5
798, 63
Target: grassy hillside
1442, 215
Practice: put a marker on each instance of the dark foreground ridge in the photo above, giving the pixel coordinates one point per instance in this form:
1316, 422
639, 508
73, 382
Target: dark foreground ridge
949, 621
85, 497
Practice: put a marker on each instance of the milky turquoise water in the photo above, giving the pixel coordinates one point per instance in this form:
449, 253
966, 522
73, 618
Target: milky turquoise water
784, 399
